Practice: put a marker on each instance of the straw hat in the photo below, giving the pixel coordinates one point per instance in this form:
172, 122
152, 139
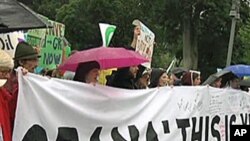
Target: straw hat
5, 62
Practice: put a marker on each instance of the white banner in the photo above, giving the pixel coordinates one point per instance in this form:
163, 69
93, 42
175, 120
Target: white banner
54, 109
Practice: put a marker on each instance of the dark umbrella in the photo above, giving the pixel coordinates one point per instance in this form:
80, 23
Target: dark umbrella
16, 16
226, 76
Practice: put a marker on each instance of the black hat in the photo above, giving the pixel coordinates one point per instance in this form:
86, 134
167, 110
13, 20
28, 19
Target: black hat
25, 51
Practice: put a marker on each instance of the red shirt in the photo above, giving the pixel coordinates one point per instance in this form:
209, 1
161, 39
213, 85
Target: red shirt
12, 87
5, 119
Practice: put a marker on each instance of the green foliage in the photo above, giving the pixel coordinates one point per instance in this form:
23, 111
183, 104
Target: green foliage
210, 21
245, 40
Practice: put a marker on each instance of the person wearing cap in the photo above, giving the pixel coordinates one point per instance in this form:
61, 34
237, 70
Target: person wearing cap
26, 57
6, 65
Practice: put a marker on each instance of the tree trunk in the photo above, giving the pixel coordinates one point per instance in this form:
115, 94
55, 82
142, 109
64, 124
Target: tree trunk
190, 45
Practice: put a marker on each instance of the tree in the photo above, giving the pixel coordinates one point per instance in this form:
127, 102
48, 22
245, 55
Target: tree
195, 31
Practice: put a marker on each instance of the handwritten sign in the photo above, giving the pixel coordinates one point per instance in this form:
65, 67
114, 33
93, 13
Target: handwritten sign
36, 37
9, 41
57, 30
51, 53
145, 43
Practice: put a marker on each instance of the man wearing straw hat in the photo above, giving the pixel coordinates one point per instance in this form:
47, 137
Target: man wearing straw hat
6, 66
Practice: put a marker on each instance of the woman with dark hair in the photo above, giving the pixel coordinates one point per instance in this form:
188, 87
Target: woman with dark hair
191, 78
159, 78
217, 83
87, 72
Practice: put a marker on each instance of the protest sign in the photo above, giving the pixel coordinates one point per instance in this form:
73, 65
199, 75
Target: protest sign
58, 29
51, 53
36, 37
9, 41
54, 109
145, 42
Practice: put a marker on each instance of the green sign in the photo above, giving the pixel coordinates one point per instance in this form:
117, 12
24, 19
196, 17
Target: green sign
33, 41
57, 30
35, 37
51, 53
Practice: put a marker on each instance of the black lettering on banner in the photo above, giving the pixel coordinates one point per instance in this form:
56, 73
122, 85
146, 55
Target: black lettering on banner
96, 135
183, 124
232, 119
215, 133
67, 134
207, 128
197, 136
133, 132
166, 127
244, 119
226, 127
151, 135
249, 118
35, 133
116, 136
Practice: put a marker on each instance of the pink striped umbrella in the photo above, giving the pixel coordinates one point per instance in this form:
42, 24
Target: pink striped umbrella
107, 58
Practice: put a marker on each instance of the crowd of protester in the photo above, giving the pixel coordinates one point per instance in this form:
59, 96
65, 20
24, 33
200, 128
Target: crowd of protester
133, 77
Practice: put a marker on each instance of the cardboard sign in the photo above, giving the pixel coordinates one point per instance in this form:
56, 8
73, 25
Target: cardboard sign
145, 42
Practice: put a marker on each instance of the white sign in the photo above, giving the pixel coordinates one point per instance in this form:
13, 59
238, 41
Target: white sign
54, 109
145, 42
9, 41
